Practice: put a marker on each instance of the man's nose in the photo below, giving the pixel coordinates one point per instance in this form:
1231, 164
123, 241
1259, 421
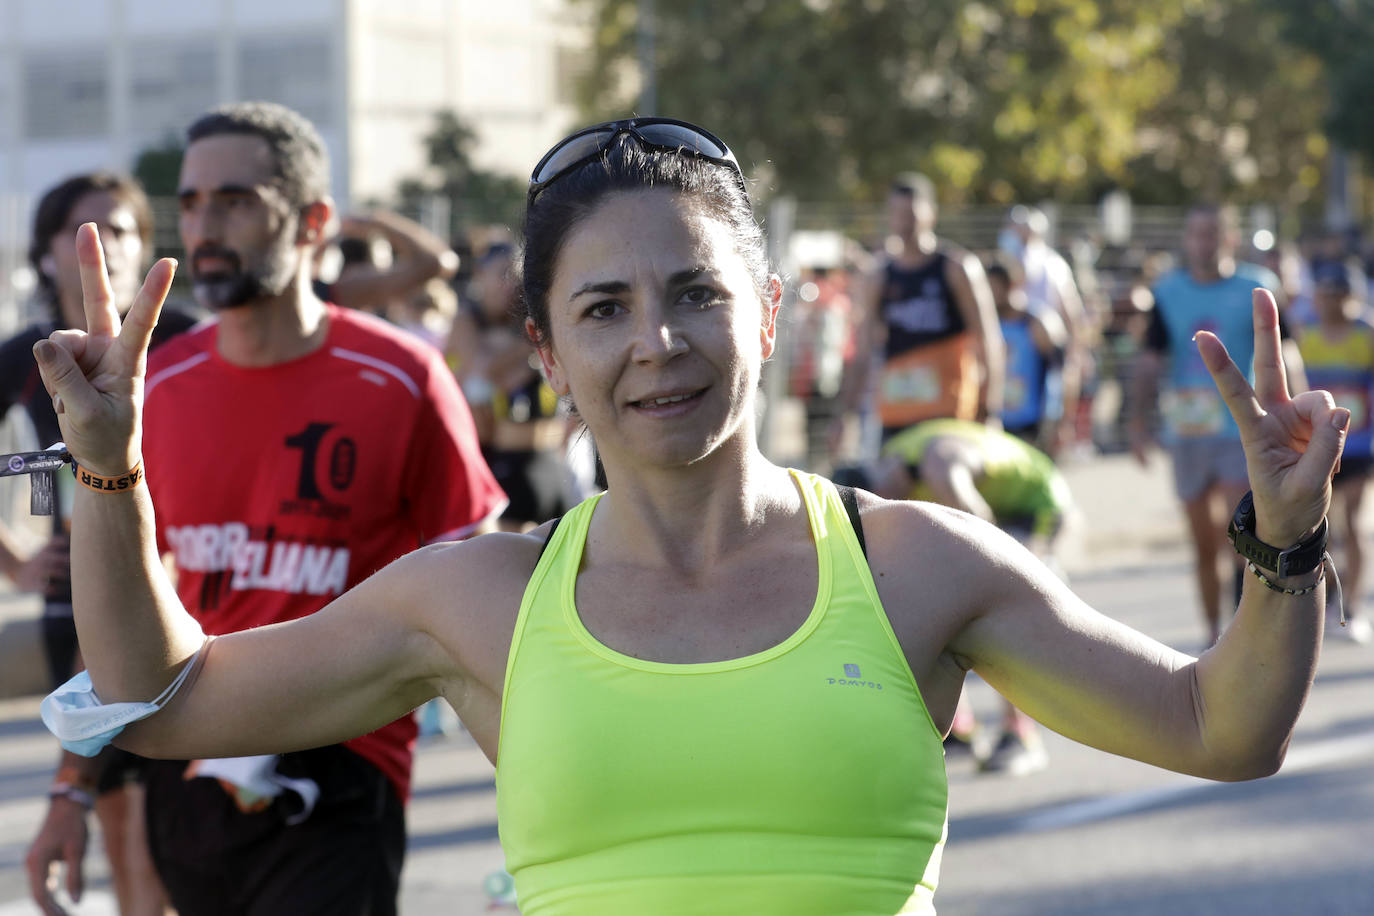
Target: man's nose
201, 223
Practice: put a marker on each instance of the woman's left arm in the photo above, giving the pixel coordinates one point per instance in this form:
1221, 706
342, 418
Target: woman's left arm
1229, 714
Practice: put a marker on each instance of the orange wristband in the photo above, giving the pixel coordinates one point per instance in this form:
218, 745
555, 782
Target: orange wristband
121, 484
70, 776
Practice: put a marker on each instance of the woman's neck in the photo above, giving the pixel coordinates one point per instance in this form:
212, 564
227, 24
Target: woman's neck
688, 518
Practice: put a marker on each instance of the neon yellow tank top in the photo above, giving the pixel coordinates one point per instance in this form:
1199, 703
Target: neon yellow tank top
804, 779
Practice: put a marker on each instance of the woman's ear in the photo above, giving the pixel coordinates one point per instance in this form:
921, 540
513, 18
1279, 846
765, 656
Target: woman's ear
552, 373
768, 333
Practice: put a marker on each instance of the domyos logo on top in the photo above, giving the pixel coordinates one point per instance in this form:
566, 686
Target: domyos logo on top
853, 677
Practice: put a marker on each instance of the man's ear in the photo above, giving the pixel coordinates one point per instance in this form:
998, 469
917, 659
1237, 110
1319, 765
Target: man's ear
768, 333
317, 221
552, 373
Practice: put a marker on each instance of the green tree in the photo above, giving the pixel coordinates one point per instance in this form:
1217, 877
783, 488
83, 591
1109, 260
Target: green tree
995, 99
158, 168
1341, 34
1242, 118
476, 197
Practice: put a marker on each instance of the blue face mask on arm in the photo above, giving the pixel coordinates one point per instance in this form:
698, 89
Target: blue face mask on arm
85, 725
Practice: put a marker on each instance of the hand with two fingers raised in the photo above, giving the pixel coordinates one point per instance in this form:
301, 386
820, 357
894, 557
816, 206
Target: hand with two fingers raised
96, 376
1292, 443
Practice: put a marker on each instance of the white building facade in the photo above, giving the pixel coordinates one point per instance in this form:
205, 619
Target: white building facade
88, 84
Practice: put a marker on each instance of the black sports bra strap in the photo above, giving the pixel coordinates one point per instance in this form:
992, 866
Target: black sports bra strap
851, 507
549, 537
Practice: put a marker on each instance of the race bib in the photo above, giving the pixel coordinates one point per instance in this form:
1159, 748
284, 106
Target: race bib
1194, 412
904, 384
1014, 393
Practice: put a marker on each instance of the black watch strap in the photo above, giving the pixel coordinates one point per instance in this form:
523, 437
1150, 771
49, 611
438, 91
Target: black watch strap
1302, 557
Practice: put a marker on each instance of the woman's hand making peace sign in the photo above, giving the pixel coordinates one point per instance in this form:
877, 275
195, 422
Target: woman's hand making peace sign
1292, 444
96, 376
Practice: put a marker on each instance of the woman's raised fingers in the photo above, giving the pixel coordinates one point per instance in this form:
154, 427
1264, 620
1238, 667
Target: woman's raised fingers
1230, 381
102, 318
1271, 381
142, 316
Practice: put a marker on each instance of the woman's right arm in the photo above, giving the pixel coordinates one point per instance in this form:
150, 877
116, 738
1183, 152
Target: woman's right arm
361, 662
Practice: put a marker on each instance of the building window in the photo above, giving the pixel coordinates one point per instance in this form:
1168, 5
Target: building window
171, 84
294, 70
65, 95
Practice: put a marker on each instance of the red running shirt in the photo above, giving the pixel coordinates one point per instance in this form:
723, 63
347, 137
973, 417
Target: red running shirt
278, 488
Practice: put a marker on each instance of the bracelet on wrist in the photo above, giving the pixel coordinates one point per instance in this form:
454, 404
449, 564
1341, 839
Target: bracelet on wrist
1276, 587
125, 482
72, 794
1326, 571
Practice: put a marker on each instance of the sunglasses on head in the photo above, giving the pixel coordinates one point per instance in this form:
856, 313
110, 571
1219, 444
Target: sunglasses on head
666, 134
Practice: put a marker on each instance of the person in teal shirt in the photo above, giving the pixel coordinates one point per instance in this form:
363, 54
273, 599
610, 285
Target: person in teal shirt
1211, 292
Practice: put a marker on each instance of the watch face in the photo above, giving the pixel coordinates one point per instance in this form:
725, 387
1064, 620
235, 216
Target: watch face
1301, 558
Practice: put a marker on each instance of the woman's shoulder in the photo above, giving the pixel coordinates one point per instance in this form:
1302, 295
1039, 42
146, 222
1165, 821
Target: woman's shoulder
934, 551
901, 520
500, 561
467, 594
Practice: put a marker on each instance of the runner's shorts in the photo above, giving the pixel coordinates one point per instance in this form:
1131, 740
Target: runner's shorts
1204, 462
216, 860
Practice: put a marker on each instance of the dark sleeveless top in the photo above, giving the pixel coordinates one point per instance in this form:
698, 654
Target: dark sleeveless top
918, 306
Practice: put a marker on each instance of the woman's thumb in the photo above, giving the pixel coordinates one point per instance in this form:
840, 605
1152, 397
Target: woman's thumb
56, 366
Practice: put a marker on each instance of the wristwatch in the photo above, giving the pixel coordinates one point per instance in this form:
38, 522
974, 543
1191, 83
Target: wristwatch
1302, 557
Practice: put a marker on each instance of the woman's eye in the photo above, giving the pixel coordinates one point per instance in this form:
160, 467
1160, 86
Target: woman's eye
699, 295
602, 310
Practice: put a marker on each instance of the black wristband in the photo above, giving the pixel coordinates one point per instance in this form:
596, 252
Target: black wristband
1302, 557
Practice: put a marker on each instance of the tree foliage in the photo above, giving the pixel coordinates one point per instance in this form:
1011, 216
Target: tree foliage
1243, 114
158, 168
476, 197
995, 99
1341, 34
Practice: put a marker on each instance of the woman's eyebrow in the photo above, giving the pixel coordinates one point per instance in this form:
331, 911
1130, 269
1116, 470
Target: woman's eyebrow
687, 276
606, 287
617, 287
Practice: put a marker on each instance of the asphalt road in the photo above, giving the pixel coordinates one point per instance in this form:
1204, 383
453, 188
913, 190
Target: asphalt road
1090, 834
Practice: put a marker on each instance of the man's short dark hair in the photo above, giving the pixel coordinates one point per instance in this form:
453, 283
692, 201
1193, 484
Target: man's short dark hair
300, 162
914, 185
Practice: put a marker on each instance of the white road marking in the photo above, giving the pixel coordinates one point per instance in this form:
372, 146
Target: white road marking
93, 903
1301, 757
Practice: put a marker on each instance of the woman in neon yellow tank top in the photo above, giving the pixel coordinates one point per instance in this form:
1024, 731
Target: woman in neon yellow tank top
707, 694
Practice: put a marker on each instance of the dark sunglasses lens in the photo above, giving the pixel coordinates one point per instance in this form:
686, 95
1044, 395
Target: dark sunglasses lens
567, 155
675, 135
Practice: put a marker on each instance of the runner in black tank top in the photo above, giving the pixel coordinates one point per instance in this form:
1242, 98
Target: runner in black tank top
929, 329
918, 306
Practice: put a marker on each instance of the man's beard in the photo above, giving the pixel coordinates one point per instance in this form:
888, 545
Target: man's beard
236, 287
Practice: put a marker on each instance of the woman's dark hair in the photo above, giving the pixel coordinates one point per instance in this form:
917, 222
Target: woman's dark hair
55, 209
627, 166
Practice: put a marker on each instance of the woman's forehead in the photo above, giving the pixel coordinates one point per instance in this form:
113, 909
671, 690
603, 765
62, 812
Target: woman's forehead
646, 230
